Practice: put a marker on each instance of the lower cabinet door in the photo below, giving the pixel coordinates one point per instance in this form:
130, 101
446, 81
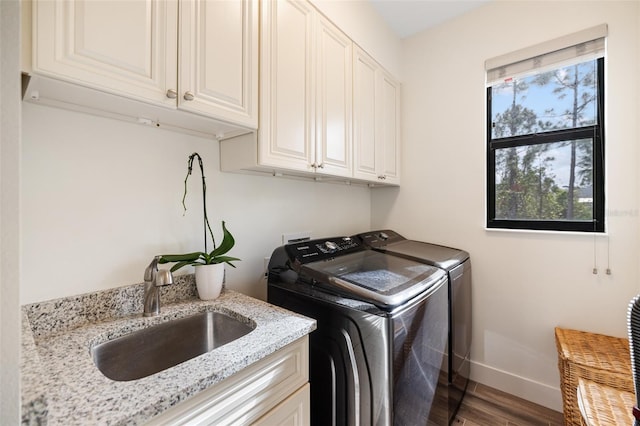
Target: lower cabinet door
293, 411
249, 395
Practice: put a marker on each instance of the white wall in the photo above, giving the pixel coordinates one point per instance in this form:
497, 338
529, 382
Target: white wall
102, 197
9, 213
525, 284
360, 21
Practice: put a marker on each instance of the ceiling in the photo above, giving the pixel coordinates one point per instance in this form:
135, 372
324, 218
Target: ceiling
408, 17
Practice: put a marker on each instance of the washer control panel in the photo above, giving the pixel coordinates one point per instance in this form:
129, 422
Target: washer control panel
315, 250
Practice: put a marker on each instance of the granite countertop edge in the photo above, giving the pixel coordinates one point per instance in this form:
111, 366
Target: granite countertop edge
61, 385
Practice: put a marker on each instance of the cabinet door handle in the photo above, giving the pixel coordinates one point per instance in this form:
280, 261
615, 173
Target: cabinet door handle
172, 94
321, 166
189, 96
382, 177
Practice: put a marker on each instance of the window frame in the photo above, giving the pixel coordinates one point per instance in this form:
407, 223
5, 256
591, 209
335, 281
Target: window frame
595, 132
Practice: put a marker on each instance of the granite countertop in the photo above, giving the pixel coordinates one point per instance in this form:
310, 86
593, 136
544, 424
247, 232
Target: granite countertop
62, 386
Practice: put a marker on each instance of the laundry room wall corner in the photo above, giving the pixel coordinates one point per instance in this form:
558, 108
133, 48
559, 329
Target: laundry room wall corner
524, 283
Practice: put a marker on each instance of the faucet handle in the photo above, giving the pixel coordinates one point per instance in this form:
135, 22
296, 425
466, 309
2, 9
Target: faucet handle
153, 267
163, 277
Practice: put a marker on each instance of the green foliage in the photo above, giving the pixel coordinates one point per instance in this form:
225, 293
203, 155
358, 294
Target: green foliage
526, 186
514, 121
218, 254
527, 190
204, 258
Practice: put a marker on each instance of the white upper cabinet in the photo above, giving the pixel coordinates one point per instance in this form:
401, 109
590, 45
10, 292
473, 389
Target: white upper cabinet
130, 49
333, 102
219, 59
287, 122
376, 123
327, 109
123, 47
364, 116
306, 91
389, 121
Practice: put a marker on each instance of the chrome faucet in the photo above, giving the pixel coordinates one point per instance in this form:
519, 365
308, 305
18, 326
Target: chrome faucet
153, 280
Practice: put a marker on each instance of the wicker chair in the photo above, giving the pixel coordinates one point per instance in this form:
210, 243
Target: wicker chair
633, 324
592, 357
602, 405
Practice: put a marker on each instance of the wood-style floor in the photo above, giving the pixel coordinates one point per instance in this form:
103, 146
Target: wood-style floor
485, 406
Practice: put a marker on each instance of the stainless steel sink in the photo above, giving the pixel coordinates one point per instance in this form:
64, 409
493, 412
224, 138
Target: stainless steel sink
149, 351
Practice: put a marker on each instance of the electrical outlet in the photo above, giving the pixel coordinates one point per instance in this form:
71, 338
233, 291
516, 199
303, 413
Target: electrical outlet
296, 237
266, 266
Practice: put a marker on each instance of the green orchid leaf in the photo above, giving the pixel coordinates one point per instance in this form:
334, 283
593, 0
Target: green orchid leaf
226, 259
181, 264
227, 243
168, 258
220, 259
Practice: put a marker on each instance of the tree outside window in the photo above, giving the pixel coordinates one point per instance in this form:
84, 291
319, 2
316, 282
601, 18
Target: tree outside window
543, 132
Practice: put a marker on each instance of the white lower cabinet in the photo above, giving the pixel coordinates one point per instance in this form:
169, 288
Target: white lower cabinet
294, 411
273, 391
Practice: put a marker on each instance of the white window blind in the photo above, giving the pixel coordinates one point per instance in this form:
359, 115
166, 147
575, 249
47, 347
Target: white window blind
572, 48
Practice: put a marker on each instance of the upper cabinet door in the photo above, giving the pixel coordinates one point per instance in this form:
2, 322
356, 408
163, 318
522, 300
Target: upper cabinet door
75, 40
333, 100
376, 122
219, 59
287, 84
388, 106
364, 116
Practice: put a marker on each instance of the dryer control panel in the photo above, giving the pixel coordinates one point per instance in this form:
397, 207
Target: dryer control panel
323, 249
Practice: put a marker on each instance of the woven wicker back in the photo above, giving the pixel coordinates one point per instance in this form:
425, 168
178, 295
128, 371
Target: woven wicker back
633, 324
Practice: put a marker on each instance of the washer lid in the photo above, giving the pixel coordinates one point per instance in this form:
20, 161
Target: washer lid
431, 254
388, 241
384, 280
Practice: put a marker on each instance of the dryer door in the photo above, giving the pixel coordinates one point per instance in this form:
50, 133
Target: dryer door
420, 336
349, 370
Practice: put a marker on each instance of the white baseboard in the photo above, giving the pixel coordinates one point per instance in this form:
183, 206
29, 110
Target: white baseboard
540, 393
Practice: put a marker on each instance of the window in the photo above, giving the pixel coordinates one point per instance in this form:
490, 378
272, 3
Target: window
545, 143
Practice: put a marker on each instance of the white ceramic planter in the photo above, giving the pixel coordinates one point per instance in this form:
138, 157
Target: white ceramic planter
209, 280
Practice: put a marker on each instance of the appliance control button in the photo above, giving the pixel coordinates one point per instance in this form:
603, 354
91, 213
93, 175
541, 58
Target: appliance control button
331, 245
383, 236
